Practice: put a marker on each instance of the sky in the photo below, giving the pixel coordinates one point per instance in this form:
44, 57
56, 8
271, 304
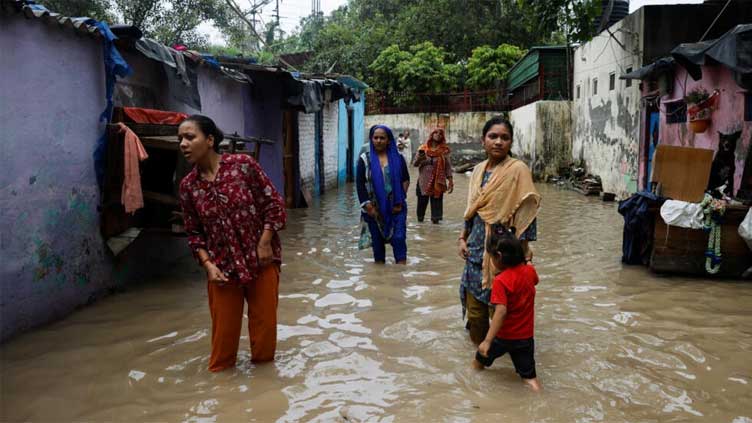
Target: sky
291, 11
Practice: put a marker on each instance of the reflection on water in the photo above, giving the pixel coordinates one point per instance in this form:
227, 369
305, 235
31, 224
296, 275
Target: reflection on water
363, 342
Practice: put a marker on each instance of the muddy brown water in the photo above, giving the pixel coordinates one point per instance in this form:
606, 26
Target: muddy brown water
386, 343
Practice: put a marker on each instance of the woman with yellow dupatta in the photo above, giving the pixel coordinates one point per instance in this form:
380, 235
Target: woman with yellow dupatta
501, 191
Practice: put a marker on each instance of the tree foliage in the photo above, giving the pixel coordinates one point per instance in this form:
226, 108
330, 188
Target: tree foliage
167, 21
487, 65
97, 9
569, 19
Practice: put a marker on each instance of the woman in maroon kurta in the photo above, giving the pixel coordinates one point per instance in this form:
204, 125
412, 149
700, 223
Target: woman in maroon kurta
232, 214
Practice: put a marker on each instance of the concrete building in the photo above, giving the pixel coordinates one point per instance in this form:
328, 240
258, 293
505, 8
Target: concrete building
53, 93
606, 118
731, 113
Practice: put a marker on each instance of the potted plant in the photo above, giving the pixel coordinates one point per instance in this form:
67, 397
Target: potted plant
699, 107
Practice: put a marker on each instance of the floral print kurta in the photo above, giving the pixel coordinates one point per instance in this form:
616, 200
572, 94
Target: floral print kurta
227, 216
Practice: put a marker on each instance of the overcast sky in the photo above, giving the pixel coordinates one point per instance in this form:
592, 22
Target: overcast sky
291, 11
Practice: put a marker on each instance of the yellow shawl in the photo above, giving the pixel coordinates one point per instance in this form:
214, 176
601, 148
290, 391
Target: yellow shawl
509, 197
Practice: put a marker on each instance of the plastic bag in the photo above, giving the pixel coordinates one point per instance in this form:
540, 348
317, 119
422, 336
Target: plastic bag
745, 229
364, 242
682, 214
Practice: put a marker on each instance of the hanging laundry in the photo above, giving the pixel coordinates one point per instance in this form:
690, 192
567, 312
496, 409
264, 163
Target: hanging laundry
153, 116
132, 197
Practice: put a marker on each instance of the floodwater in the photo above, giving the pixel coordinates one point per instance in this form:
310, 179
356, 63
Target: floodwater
363, 342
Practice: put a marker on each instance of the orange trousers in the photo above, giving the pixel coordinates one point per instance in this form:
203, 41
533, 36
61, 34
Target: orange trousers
226, 306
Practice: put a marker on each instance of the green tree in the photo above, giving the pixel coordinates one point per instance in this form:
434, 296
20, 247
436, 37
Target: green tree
572, 18
423, 69
427, 70
97, 9
385, 75
487, 65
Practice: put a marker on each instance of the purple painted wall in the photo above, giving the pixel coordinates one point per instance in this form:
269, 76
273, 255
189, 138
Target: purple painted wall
264, 114
52, 93
250, 110
727, 118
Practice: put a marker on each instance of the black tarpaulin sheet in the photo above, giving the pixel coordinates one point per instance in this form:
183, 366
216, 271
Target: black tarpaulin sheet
733, 50
649, 71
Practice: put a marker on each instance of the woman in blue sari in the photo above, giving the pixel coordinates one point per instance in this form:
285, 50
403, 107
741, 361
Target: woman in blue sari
382, 180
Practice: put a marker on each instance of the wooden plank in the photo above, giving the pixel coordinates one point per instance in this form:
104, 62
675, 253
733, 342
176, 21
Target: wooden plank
164, 142
150, 129
683, 172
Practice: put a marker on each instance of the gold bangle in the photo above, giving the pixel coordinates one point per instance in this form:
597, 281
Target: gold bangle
203, 262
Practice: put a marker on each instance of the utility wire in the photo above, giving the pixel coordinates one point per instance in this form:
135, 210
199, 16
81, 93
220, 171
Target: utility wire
240, 14
715, 20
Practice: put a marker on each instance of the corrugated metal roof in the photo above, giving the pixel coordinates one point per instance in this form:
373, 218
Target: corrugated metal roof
40, 13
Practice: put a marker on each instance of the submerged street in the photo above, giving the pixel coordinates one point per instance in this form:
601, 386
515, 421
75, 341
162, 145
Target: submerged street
363, 342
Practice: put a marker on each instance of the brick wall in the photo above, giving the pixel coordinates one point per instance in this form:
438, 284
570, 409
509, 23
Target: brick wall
331, 145
307, 156
307, 152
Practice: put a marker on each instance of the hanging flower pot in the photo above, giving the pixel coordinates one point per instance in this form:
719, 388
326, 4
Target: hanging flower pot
699, 126
700, 106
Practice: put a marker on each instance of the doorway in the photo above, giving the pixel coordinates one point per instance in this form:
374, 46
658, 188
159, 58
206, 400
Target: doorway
652, 136
289, 158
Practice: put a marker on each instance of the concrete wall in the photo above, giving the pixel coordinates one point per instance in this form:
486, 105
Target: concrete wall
52, 94
543, 135
606, 124
358, 110
727, 118
526, 132
463, 130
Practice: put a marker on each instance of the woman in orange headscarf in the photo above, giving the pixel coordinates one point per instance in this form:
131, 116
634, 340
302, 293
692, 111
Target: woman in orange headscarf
435, 175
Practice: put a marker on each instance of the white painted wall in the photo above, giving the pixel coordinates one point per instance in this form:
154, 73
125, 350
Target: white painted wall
606, 123
543, 135
524, 120
460, 128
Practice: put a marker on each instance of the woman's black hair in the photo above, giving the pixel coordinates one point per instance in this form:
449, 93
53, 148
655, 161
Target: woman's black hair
208, 127
503, 240
498, 120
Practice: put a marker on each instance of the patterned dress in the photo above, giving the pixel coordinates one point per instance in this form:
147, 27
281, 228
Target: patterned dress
227, 216
472, 276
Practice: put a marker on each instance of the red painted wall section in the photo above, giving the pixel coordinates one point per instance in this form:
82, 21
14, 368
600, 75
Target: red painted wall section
728, 117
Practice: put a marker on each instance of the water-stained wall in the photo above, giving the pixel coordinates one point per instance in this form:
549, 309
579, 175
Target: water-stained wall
543, 136
606, 117
463, 130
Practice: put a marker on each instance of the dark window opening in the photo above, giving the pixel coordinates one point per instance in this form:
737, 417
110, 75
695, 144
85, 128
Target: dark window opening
611, 81
578, 91
595, 86
676, 112
628, 82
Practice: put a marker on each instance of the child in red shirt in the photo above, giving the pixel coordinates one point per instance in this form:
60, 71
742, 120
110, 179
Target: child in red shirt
513, 295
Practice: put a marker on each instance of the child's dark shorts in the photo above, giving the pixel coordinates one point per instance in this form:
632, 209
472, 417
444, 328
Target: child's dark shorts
522, 352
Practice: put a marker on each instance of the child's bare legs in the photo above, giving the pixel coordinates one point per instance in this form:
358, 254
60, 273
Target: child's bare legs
533, 384
477, 365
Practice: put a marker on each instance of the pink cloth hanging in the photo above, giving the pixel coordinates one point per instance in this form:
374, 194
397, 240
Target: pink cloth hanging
132, 197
